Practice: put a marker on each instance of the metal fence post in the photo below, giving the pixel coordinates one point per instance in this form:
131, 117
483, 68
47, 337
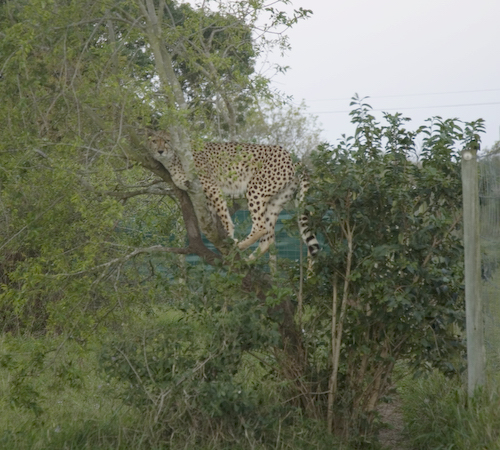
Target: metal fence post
476, 360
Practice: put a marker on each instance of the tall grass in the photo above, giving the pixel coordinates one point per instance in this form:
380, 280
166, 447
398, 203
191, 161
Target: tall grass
439, 414
61, 404
64, 401
70, 405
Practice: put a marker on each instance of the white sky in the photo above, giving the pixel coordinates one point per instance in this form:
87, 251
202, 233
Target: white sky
422, 58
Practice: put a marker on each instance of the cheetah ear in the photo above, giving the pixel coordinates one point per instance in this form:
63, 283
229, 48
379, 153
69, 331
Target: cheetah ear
155, 132
164, 135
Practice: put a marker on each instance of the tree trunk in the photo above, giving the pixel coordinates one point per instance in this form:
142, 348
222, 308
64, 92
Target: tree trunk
181, 142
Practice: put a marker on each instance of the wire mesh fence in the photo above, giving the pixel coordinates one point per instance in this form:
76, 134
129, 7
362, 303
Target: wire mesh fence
287, 235
489, 197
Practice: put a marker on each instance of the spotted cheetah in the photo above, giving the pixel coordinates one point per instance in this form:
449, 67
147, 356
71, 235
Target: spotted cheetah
264, 173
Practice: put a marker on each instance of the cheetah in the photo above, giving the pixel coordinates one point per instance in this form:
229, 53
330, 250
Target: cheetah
266, 174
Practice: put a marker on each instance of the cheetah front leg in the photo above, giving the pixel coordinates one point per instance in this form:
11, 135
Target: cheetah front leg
218, 205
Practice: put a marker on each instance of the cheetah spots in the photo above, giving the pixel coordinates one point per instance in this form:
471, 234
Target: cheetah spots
265, 173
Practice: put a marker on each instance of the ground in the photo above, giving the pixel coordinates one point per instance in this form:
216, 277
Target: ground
392, 437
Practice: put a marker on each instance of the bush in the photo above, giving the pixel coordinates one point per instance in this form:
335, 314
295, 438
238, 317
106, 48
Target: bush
183, 371
56, 399
389, 285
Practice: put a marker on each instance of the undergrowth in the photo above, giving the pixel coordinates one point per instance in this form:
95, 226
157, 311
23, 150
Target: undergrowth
439, 415
54, 395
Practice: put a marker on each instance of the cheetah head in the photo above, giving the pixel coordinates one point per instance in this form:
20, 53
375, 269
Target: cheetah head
161, 150
159, 143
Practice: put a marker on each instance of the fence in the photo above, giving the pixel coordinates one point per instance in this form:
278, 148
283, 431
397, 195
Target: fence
489, 217
287, 238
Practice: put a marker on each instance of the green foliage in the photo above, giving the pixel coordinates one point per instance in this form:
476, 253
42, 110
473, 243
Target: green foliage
203, 360
80, 409
61, 402
279, 123
440, 415
182, 368
76, 79
207, 55
77, 213
391, 214
23, 371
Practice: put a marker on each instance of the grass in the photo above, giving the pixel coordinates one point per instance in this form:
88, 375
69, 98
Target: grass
440, 415
63, 405
62, 401
489, 293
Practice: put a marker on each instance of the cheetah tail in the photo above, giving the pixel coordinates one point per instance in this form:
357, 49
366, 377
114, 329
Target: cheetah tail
307, 235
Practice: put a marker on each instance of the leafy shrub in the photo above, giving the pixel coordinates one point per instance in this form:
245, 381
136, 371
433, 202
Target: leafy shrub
390, 285
184, 373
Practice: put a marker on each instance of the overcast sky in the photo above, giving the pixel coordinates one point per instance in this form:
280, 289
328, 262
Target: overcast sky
422, 58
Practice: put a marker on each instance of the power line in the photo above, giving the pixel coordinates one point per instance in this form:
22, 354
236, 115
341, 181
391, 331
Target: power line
438, 93
407, 95
409, 107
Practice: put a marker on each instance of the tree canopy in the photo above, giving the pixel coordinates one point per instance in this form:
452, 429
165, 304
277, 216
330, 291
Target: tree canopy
81, 81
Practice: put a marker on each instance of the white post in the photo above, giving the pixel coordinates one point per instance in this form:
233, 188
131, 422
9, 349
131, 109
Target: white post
476, 360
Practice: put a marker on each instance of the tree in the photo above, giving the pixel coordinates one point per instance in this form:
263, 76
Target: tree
80, 84
279, 123
189, 70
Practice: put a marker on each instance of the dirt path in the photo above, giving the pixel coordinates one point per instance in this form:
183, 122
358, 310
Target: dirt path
392, 438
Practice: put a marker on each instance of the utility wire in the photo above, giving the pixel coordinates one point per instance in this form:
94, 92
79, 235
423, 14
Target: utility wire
407, 95
408, 107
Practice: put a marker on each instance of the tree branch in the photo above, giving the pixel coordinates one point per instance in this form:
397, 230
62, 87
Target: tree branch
125, 195
139, 251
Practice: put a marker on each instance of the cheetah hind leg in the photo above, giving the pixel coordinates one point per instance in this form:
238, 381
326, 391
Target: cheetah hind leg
258, 228
263, 224
273, 209
265, 214
254, 235
265, 242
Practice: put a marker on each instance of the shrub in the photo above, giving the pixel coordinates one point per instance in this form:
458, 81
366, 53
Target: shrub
183, 373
